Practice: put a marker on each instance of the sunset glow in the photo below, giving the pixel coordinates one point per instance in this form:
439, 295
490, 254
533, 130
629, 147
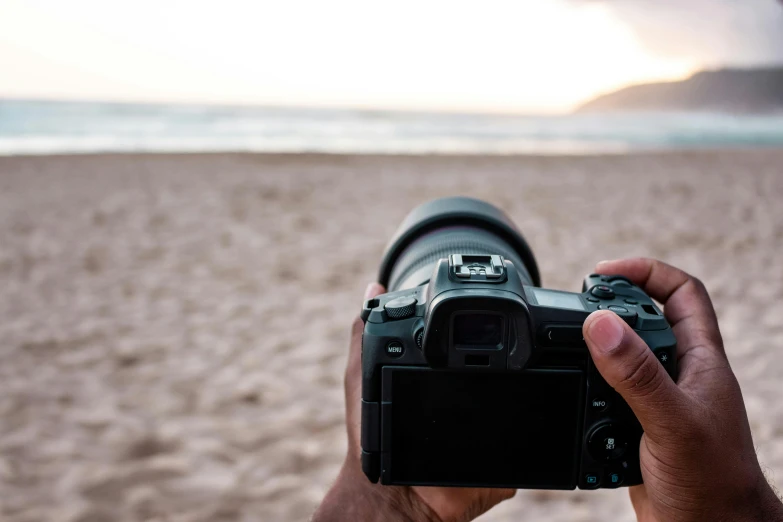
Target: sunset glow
534, 56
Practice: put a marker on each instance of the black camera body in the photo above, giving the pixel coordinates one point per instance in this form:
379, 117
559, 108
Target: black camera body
477, 377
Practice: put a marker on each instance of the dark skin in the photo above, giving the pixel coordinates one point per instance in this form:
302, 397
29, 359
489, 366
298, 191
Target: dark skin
697, 455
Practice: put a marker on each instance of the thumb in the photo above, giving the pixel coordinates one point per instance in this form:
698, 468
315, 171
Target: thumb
629, 366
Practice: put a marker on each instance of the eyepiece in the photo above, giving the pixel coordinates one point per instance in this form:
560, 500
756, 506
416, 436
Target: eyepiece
457, 225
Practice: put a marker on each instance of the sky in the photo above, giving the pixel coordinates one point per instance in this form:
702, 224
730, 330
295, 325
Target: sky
533, 56
712, 32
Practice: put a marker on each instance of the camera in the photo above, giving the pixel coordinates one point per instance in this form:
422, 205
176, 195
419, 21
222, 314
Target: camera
473, 375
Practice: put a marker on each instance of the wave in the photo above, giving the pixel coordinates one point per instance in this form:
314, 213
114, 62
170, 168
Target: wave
50, 127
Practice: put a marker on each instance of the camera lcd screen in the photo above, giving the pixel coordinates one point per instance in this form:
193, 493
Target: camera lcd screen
558, 299
477, 329
473, 428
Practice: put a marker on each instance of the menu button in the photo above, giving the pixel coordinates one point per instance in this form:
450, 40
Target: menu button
395, 349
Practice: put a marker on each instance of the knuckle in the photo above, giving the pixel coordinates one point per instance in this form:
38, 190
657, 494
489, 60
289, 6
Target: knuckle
641, 375
711, 336
696, 282
698, 285
653, 263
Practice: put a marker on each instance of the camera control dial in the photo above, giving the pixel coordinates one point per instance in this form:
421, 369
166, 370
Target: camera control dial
607, 442
401, 308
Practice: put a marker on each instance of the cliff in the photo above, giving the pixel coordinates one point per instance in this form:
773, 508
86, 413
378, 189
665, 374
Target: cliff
725, 90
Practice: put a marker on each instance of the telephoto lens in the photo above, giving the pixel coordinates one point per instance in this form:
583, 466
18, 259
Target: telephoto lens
442, 227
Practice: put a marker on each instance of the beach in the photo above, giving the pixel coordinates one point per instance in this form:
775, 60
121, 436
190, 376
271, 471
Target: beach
174, 328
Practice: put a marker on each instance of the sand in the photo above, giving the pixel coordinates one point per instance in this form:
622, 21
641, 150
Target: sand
173, 329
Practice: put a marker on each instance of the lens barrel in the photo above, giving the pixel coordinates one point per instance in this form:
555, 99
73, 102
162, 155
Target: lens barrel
457, 225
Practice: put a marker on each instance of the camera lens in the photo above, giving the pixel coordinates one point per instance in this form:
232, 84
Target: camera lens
452, 226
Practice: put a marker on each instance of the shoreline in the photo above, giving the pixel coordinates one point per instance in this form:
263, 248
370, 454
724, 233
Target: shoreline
392, 155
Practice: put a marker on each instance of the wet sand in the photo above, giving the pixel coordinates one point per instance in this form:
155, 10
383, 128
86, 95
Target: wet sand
173, 328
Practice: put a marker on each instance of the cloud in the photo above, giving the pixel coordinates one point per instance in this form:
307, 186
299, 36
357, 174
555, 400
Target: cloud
711, 32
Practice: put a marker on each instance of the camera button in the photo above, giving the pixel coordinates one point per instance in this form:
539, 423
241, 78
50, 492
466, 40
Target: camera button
664, 356
593, 300
603, 292
607, 442
591, 480
599, 404
614, 479
628, 316
632, 301
395, 349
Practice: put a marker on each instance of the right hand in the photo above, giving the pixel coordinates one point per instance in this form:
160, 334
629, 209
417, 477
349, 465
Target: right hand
697, 456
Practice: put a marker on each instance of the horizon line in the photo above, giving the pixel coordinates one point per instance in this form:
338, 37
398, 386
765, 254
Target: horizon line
289, 106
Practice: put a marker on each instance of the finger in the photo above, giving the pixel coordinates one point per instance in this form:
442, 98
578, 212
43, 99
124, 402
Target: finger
687, 305
353, 371
355, 349
629, 366
640, 502
372, 291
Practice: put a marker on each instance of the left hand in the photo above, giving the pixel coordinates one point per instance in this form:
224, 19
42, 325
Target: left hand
353, 497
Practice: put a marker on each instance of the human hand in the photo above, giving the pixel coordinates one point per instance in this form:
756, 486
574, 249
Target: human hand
353, 497
697, 456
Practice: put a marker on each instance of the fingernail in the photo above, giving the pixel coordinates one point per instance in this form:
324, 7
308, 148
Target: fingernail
606, 332
368, 291
604, 262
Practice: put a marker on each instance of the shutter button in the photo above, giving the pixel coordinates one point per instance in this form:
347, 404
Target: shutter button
603, 292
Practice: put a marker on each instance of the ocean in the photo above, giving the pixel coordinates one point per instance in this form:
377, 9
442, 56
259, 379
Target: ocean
54, 127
